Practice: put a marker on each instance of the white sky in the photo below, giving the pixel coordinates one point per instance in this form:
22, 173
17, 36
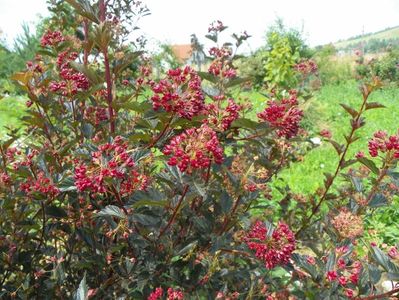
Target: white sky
173, 21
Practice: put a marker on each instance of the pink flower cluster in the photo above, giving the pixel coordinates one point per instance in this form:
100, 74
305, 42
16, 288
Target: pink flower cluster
195, 148
274, 249
306, 67
283, 115
172, 294
111, 162
180, 92
51, 38
222, 118
39, 184
382, 143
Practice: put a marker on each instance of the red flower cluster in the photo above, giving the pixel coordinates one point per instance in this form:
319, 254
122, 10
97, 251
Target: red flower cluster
283, 115
220, 66
216, 26
222, 118
306, 67
274, 249
51, 38
382, 143
172, 294
111, 162
39, 184
72, 81
96, 114
157, 294
175, 294
345, 274
195, 148
5, 179
179, 92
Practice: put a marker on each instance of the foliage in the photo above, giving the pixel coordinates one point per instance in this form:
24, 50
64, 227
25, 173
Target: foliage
124, 186
333, 69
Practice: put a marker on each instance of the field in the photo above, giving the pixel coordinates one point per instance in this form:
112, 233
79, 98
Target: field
391, 33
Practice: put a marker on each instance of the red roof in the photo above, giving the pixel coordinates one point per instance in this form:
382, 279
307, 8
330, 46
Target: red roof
182, 52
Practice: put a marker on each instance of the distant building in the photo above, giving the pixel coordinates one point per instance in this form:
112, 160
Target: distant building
190, 54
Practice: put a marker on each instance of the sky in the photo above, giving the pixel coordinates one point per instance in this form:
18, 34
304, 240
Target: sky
173, 21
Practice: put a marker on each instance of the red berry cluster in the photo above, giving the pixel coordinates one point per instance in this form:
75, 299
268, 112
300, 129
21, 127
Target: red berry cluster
39, 184
284, 115
111, 162
306, 67
274, 249
195, 148
382, 143
179, 92
51, 38
222, 118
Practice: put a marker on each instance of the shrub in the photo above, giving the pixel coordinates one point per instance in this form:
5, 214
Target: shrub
126, 187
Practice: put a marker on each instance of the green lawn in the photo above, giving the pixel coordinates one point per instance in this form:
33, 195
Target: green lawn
12, 108
324, 112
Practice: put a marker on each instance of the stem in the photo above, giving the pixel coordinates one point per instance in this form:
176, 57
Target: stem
44, 226
108, 76
380, 296
154, 141
227, 219
330, 181
171, 220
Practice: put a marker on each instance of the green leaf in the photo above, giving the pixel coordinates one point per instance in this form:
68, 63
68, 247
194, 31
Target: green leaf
212, 37
339, 148
84, 9
350, 110
369, 164
111, 211
127, 60
225, 202
56, 212
236, 81
145, 220
245, 123
383, 260
83, 290
207, 76
187, 248
375, 274
378, 200
141, 203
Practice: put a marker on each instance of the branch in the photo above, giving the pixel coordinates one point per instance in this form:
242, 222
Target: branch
380, 296
172, 219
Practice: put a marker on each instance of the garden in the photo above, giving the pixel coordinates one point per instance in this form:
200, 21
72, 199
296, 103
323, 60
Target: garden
129, 175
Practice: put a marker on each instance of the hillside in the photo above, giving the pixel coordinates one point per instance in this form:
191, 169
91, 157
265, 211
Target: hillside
386, 34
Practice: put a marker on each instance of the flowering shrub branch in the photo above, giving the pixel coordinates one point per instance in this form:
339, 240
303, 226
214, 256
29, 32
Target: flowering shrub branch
128, 186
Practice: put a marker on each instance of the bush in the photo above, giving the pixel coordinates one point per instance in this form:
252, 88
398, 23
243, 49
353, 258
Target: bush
127, 187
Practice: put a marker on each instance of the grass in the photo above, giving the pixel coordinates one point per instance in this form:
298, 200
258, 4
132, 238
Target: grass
324, 112
12, 108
